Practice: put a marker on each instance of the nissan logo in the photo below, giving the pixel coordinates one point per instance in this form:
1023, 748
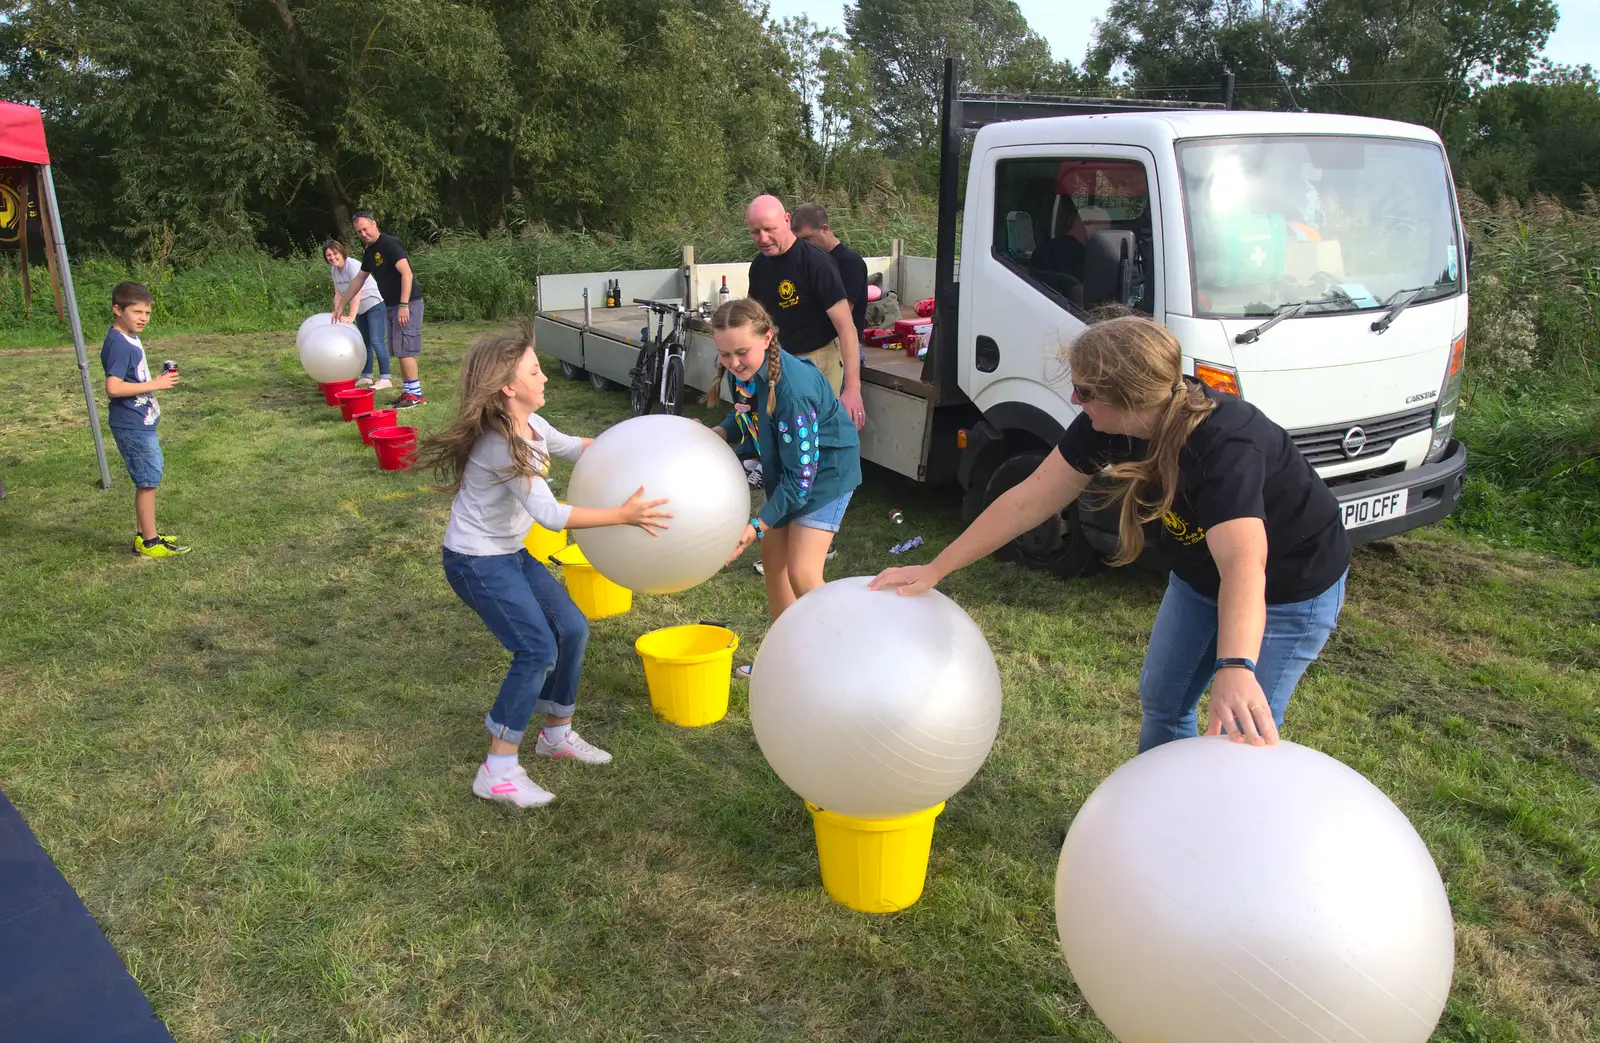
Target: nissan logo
1354, 440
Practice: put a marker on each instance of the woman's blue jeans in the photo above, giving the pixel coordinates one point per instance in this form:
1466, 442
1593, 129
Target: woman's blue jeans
1183, 647
374, 328
534, 617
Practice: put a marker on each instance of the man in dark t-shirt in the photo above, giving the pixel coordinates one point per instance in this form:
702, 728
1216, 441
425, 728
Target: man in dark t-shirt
799, 285
810, 222
388, 264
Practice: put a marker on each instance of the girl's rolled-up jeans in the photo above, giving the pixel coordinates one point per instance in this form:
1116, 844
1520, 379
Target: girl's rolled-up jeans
535, 619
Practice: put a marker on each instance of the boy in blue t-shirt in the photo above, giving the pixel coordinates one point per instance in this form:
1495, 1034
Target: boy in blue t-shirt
134, 411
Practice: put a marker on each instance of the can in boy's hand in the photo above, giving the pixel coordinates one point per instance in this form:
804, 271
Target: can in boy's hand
169, 366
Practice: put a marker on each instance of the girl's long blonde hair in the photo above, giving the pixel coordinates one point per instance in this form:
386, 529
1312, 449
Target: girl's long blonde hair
748, 312
490, 365
1135, 364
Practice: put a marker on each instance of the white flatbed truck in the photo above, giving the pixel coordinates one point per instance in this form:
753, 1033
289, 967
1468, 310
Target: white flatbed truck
1313, 264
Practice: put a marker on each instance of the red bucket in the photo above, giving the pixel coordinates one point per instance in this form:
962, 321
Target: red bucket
330, 390
396, 446
367, 423
353, 401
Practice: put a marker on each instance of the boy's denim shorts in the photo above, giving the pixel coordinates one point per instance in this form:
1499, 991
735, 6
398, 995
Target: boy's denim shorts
141, 451
827, 517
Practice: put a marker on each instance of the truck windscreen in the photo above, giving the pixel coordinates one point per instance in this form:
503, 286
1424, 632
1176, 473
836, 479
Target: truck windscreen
1349, 222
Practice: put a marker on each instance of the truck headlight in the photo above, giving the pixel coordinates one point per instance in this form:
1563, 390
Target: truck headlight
1444, 414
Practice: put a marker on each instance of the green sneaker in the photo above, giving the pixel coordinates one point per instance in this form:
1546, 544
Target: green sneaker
164, 547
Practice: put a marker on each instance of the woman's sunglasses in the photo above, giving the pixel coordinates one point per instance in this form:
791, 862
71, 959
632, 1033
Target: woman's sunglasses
1084, 394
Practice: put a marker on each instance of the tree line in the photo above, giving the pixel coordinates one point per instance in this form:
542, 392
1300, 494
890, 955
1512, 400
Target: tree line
183, 127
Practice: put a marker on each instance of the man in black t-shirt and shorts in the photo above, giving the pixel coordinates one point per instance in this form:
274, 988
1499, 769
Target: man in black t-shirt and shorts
799, 285
388, 264
810, 222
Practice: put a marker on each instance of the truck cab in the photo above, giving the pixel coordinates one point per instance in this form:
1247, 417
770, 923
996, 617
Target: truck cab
1312, 264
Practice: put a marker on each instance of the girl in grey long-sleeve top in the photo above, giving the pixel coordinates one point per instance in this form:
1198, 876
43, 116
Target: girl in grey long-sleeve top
498, 452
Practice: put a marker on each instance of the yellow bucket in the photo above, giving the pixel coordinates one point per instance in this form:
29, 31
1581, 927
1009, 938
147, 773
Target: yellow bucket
595, 595
542, 543
689, 670
874, 865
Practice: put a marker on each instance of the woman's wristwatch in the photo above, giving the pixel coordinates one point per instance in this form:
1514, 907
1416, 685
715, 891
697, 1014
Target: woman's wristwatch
1248, 664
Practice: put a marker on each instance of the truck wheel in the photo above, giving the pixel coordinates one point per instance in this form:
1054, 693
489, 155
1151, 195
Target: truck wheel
1055, 546
572, 372
600, 383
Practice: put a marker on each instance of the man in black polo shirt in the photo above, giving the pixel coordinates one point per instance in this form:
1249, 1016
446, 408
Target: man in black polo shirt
810, 222
799, 285
387, 262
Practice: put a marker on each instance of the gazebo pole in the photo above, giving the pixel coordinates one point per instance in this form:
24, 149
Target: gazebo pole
60, 245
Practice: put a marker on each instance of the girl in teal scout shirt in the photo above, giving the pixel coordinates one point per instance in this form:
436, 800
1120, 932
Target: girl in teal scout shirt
810, 453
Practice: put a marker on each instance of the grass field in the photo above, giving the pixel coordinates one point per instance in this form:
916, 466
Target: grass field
254, 762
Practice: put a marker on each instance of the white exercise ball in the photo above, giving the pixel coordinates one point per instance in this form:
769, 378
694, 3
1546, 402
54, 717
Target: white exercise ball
676, 459
871, 704
322, 318
333, 352
1211, 891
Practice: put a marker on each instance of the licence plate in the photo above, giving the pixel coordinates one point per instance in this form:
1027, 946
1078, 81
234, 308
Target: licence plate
1365, 511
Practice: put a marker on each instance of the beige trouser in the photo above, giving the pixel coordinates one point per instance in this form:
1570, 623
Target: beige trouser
830, 360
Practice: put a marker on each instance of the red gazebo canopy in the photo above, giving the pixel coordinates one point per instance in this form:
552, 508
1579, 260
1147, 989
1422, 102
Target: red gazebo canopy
22, 142
22, 134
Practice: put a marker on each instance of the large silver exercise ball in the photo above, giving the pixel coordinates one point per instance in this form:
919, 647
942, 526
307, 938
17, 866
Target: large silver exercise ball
322, 318
871, 704
1212, 892
673, 458
333, 352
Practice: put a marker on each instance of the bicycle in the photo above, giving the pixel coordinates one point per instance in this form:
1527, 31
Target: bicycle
657, 376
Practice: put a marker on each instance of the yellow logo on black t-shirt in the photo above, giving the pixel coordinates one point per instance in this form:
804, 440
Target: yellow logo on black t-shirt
1180, 531
787, 295
377, 258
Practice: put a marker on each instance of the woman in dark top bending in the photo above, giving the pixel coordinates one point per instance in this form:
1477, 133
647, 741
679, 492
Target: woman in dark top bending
1258, 554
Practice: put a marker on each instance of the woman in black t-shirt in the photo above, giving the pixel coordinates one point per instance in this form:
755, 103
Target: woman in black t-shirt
1252, 535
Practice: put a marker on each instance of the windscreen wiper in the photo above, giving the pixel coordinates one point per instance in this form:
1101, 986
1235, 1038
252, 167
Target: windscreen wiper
1394, 312
1288, 311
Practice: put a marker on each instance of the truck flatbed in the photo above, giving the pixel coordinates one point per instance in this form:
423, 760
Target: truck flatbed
618, 323
888, 367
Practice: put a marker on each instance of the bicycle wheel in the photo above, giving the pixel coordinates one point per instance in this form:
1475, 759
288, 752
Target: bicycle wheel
646, 373
672, 386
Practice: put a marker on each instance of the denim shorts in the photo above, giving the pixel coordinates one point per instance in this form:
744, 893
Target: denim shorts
829, 516
141, 451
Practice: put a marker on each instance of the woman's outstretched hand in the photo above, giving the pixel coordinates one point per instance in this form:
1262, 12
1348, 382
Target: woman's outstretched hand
643, 513
1239, 709
907, 579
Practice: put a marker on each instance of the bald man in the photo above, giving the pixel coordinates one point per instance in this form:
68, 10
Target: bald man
799, 284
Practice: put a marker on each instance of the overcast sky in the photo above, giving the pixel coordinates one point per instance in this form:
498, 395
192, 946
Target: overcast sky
1068, 24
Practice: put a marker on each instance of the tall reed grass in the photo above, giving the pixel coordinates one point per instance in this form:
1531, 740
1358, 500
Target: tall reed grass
464, 277
1531, 415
